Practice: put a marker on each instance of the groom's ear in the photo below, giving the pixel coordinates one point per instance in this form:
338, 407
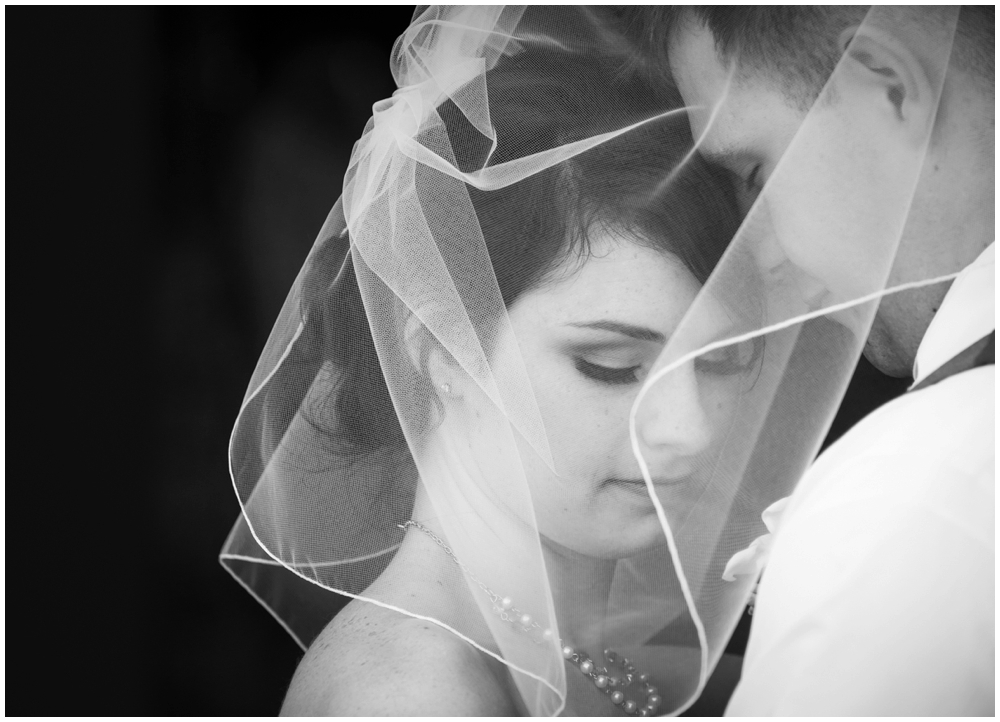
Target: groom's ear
892, 75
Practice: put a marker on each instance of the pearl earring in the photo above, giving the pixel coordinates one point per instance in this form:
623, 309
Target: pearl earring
446, 388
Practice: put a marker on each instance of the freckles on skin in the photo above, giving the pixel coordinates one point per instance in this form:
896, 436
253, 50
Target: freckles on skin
586, 420
633, 285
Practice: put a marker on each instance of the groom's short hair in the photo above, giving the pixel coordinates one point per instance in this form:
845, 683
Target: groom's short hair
799, 45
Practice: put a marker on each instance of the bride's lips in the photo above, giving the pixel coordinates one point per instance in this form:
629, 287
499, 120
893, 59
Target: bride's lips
657, 481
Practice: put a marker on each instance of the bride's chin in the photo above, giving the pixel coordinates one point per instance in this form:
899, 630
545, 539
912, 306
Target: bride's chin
619, 539
639, 535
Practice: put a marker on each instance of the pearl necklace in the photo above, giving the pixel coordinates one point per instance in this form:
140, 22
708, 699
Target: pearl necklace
612, 685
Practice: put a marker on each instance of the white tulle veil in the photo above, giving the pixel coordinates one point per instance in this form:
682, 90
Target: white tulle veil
344, 428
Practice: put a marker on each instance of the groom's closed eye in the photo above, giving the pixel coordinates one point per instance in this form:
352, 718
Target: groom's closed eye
747, 182
746, 172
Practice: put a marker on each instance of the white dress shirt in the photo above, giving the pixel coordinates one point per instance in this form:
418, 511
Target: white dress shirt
878, 596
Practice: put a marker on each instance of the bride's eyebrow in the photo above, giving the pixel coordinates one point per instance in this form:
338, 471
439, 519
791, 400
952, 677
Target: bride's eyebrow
637, 332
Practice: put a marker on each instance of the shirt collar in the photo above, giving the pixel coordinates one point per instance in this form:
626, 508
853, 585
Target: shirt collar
966, 315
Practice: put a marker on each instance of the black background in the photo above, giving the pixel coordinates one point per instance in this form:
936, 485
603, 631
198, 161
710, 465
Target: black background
167, 171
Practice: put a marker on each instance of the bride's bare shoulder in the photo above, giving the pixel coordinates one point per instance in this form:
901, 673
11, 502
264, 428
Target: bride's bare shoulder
371, 661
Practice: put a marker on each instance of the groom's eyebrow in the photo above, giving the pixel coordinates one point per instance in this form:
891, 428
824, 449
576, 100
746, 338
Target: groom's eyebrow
637, 332
726, 156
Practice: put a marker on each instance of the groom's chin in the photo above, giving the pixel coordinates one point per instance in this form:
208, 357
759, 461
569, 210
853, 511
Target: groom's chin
883, 354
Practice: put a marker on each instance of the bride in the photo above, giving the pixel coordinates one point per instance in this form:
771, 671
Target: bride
500, 410
595, 266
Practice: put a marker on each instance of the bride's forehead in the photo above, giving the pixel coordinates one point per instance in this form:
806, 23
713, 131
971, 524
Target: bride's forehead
615, 273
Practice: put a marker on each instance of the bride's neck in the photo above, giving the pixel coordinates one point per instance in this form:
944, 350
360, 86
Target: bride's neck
581, 587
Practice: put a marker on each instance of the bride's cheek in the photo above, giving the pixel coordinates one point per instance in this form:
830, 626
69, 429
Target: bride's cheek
578, 441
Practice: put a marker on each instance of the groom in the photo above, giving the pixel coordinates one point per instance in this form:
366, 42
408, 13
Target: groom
886, 606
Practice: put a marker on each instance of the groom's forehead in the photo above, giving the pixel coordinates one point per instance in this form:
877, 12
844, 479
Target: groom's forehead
695, 62
700, 75
732, 115
693, 49
706, 77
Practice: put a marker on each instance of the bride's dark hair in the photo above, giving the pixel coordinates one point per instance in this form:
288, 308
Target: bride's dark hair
645, 185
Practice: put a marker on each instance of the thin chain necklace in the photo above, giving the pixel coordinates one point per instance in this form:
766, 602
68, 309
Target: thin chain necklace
612, 685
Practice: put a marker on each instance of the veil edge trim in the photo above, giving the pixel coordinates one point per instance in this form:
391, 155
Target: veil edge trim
253, 532
234, 575
311, 565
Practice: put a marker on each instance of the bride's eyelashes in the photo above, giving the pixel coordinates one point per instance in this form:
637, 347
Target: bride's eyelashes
609, 375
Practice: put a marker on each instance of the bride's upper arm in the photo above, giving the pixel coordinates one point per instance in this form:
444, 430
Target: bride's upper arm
359, 667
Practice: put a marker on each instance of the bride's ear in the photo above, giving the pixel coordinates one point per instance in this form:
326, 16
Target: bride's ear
431, 360
890, 74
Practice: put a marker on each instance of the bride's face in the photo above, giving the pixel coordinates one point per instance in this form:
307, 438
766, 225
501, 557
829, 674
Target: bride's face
588, 338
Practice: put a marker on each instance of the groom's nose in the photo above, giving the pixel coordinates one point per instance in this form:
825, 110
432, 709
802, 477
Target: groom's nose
671, 422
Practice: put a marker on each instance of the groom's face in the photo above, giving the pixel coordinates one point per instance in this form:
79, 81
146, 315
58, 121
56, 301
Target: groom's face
833, 207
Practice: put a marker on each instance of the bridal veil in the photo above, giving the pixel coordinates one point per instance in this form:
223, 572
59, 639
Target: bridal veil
330, 445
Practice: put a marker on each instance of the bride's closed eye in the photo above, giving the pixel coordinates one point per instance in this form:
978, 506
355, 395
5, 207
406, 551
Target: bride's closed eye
609, 375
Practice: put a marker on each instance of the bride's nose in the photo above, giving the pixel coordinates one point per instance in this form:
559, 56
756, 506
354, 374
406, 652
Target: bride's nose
671, 420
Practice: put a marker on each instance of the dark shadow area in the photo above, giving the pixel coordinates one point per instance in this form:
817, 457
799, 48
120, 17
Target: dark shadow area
167, 171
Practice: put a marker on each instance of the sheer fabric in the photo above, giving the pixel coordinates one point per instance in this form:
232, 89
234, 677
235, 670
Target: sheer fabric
395, 354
